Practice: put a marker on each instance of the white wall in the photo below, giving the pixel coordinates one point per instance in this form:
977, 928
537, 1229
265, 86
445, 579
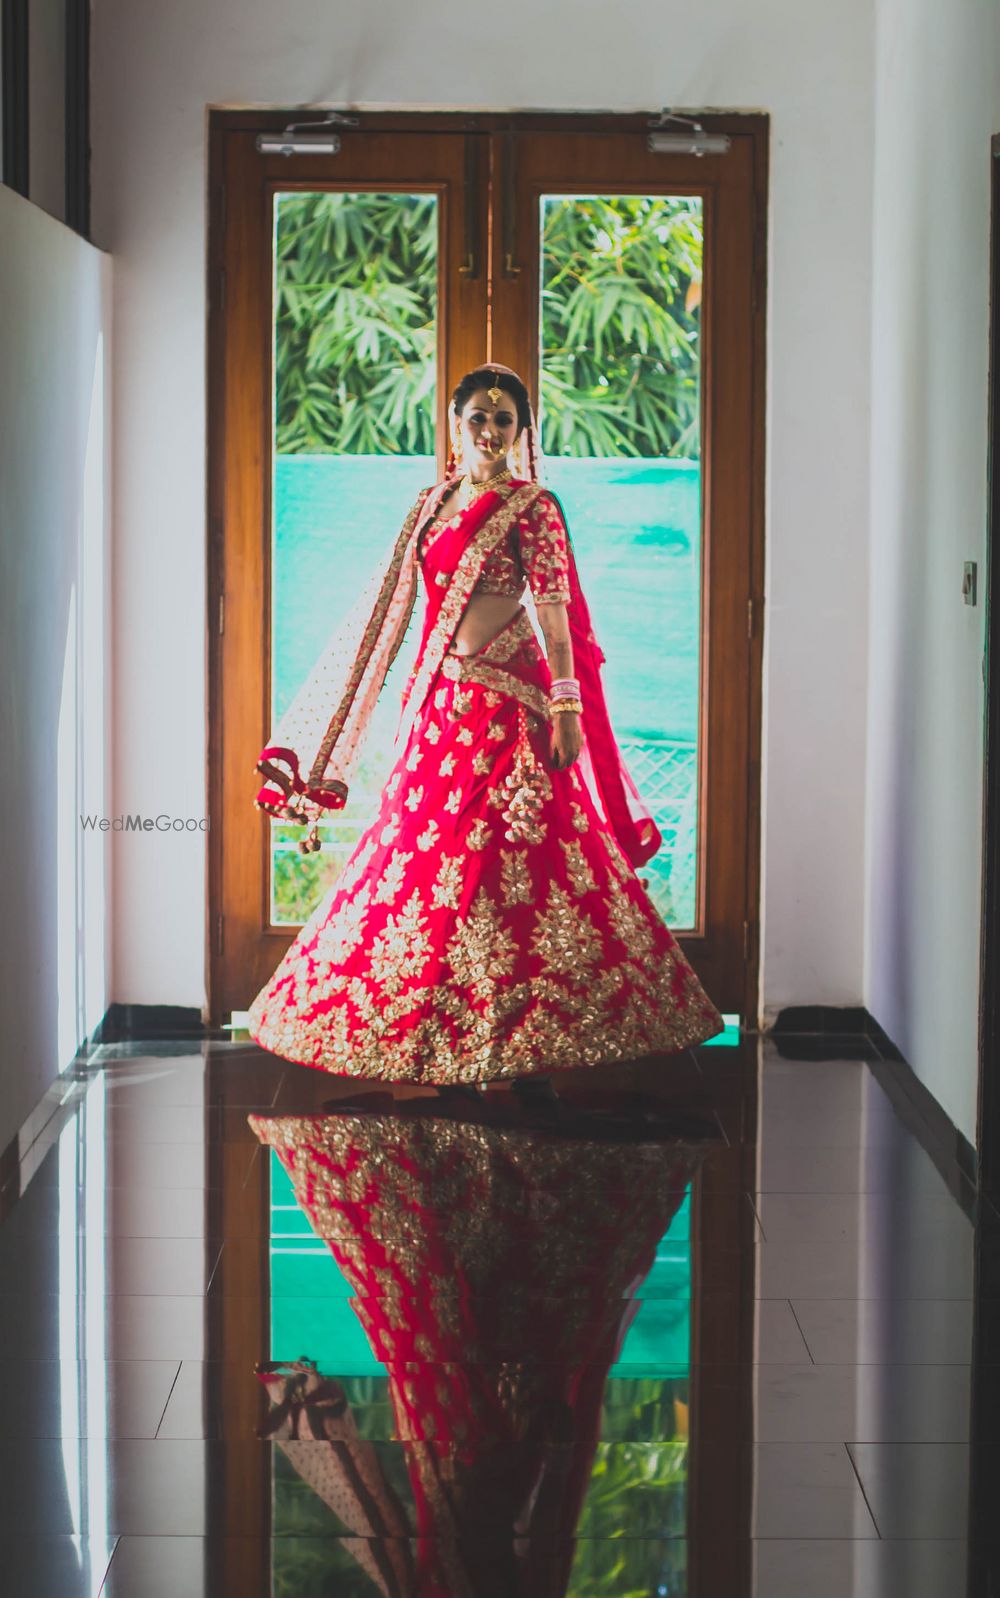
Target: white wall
930, 319
155, 70
54, 321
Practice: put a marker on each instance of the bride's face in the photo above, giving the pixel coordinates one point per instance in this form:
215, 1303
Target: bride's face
487, 431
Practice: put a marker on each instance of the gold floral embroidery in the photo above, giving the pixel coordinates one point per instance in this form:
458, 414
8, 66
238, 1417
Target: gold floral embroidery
392, 786
414, 799
580, 820
429, 837
543, 550
581, 877
389, 831
391, 880
482, 763
515, 878
527, 693
629, 922
445, 892
537, 550
616, 860
485, 667
441, 698
565, 940
461, 705
482, 949
496, 730
414, 758
447, 766
453, 802
400, 951
433, 733
464, 735
478, 835
523, 1028
342, 934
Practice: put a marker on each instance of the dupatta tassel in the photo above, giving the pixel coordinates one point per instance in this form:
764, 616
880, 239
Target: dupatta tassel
291, 799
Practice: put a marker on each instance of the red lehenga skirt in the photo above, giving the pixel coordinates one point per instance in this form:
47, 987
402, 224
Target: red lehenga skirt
488, 924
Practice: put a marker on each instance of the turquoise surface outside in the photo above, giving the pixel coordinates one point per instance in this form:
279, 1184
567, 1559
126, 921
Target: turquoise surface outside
311, 1314
635, 526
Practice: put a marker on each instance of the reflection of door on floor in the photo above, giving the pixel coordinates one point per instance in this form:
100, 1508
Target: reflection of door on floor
359, 287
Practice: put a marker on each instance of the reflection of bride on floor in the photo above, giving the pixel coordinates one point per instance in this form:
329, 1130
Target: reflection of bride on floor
494, 1269
490, 922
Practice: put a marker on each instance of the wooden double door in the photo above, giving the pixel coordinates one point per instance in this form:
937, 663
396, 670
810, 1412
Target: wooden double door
348, 292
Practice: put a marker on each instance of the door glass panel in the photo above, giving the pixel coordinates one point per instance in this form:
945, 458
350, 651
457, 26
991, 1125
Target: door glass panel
620, 403
354, 368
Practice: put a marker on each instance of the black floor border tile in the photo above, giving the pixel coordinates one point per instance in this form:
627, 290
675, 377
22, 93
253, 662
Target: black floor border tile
125, 1022
824, 1032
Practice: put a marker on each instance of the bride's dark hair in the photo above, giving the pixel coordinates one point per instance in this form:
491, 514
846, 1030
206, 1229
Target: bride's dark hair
487, 377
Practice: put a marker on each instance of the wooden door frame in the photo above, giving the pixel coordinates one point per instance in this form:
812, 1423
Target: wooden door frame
751, 128
988, 1136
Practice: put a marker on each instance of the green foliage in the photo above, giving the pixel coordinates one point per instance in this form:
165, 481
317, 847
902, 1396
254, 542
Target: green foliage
355, 297
300, 881
355, 335
621, 289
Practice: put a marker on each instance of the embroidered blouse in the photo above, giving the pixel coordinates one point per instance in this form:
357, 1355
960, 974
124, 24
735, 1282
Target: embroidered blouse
534, 552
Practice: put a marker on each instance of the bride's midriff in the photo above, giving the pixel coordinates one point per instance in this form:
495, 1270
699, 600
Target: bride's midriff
484, 616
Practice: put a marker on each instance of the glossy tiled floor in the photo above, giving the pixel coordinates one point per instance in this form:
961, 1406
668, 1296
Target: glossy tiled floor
722, 1326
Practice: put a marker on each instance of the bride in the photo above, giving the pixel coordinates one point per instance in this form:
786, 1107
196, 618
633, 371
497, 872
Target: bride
490, 922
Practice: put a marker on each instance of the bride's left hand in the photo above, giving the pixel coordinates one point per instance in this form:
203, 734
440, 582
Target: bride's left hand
567, 740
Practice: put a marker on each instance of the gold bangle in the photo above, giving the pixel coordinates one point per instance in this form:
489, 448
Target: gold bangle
566, 707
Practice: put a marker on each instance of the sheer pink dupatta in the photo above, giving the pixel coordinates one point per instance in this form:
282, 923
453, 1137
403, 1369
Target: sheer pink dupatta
312, 751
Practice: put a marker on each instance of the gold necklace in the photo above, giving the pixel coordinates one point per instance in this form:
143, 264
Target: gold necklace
474, 489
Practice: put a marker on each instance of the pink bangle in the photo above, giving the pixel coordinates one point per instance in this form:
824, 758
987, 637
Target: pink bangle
565, 688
